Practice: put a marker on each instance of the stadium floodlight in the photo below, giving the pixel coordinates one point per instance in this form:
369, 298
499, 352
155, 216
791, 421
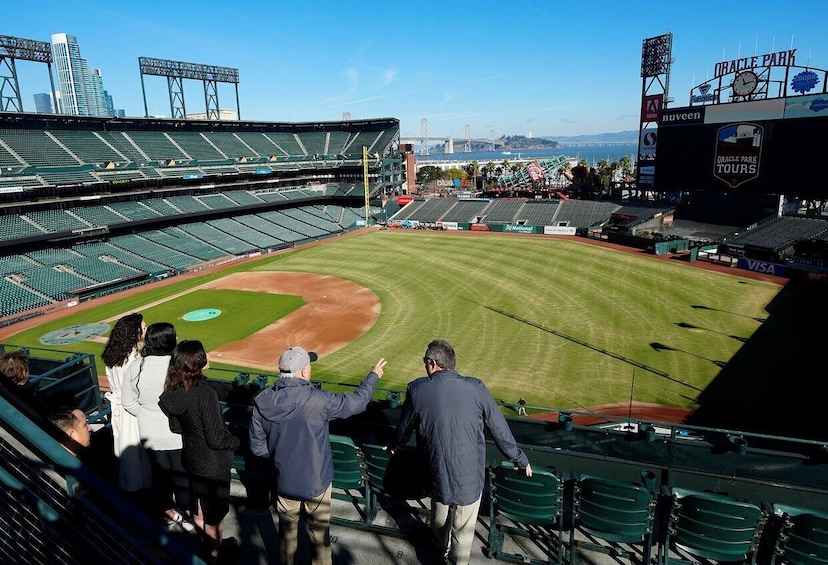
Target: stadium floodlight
25, 49
177, 71
656, 55
12, 48
180, 69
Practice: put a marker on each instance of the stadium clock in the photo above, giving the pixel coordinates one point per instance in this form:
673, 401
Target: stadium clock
745, 83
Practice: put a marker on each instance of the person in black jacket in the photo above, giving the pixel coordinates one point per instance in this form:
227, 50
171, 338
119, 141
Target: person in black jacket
449, 413
290, 424
193, 409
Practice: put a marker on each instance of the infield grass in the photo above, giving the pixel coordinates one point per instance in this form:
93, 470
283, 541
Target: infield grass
563, 324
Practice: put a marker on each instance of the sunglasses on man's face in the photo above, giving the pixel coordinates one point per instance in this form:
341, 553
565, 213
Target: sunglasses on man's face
428, 360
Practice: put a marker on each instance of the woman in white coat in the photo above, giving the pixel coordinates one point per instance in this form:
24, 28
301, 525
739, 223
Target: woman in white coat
143, 385
134, 473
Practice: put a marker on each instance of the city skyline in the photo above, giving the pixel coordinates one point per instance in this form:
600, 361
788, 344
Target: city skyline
532, 67
79, 87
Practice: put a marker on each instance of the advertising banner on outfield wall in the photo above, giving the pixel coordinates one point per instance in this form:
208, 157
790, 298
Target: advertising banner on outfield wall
761, 266
558, 230
448, 225
512, 228
479, 227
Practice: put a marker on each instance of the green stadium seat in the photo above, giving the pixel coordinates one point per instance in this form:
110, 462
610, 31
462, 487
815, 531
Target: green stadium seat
612, 510
530, 507
349, 479
802, 538
712, 526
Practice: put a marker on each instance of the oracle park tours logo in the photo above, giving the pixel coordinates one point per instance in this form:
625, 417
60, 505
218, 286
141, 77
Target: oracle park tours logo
738, 149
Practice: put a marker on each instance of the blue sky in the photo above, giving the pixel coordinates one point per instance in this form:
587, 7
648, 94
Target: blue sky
546, 67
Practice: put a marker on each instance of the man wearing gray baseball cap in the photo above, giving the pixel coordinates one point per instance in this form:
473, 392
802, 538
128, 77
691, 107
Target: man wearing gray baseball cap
290, 425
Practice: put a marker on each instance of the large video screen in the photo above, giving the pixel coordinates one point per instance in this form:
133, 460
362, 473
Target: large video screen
763, 147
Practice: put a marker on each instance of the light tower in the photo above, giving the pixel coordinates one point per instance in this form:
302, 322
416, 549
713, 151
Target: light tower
656, 58
12, 48
177, 71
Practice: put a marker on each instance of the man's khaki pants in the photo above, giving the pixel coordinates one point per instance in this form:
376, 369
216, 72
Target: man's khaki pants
454, 527
318, 515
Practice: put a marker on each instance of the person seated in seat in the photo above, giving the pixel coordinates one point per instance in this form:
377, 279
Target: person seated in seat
16, 388
14, 366
77, 435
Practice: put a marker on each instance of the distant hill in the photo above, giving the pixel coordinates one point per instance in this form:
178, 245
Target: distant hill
617, 137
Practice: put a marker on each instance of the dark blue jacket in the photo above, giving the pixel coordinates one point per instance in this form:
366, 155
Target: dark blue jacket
290, 425
449, 413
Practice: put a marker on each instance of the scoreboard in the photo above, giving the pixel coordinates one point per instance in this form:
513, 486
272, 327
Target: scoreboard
759, 147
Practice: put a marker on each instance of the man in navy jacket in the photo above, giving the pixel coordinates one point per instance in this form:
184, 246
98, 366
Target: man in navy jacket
449, 413
290, 425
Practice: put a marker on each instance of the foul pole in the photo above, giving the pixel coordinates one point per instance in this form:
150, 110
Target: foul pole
365, 179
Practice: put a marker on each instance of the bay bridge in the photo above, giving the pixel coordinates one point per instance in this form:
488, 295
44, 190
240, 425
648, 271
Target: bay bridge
428, 136
424, 139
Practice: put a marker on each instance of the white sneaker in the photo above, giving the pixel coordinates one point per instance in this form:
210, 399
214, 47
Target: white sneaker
178, 519
174, 520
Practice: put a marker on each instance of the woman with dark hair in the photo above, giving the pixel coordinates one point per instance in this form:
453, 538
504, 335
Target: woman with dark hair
144, 383
14, 365
194, 411
16, 388
121, 349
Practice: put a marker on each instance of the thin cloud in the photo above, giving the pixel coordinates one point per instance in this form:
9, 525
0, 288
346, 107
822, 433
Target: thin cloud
352, 77
388, 76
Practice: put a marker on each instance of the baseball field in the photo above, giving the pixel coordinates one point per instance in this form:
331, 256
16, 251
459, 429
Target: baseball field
560, 322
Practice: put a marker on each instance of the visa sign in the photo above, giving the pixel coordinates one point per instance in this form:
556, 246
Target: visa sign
761, 267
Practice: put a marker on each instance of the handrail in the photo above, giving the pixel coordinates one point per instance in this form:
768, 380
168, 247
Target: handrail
105, 495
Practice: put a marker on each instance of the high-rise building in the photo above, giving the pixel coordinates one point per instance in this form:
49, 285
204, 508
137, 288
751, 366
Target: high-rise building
43, 103
95, 92
70, 69
109, 105
80, 86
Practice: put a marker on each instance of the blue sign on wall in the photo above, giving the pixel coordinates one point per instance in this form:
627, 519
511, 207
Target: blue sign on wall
761, 266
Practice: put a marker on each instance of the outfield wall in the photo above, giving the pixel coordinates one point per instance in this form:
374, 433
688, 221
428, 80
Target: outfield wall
497, 228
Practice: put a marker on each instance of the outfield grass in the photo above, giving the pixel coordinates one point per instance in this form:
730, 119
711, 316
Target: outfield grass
562, 323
